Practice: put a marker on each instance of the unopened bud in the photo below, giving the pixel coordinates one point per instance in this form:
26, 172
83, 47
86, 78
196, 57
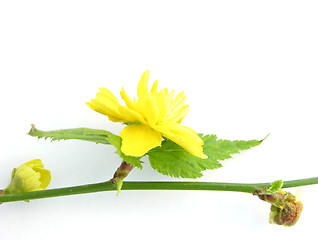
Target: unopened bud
286, 208
287, 216
30, 176
123, 170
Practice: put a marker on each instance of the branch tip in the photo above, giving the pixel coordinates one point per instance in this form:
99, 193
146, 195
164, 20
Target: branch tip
265, 138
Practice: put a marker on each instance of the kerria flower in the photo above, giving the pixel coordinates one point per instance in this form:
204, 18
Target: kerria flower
154, 115
30, 176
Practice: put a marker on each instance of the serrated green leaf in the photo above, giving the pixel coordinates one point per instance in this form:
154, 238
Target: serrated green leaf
223, 149
86, 134
116, 142
172, 160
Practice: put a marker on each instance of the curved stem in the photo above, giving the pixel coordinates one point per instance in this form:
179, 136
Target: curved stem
109, 186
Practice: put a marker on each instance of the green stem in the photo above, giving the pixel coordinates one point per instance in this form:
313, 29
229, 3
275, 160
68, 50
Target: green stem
109, 186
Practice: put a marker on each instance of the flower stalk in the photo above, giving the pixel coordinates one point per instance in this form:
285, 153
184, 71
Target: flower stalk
122, 172
109, 186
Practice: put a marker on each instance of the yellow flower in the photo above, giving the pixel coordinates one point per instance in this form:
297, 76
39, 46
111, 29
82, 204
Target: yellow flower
30, 176
155, 114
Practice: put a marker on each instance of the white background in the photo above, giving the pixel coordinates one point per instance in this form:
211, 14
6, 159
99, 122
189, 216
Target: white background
248, 68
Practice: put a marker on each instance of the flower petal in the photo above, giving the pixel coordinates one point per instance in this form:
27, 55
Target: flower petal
45, 178
154, 88
177, 116
25, 171
33, 163
185, 137
106, 103
32, 183
147, 107
138, 139
178, 102
127, 100
162, 104
142, 88
108, 93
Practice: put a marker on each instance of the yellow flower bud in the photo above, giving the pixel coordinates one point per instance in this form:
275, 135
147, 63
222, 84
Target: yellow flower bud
30, 176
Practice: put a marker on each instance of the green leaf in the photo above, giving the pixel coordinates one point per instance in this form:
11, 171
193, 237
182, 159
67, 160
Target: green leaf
222, 149
116, 142
172, 160
275, 186
119, 185
86, 134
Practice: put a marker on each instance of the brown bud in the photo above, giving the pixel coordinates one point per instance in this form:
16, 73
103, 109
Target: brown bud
287, 216
285, 209
122, 172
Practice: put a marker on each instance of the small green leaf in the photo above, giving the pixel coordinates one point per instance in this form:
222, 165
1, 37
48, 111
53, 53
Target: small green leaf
86, 134
119, 185
275, 186
116, 142
172, 160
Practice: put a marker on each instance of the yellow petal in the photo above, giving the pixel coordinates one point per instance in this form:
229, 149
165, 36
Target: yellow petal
24, 172
96, 106
138, 139
131, 115
184, 137
108, 93
147, 107
33, 163
162, 103
178, 102
107, 104
177, 116
127, 100
154, 88
170, 95
142, 88
32, 183
45, 178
